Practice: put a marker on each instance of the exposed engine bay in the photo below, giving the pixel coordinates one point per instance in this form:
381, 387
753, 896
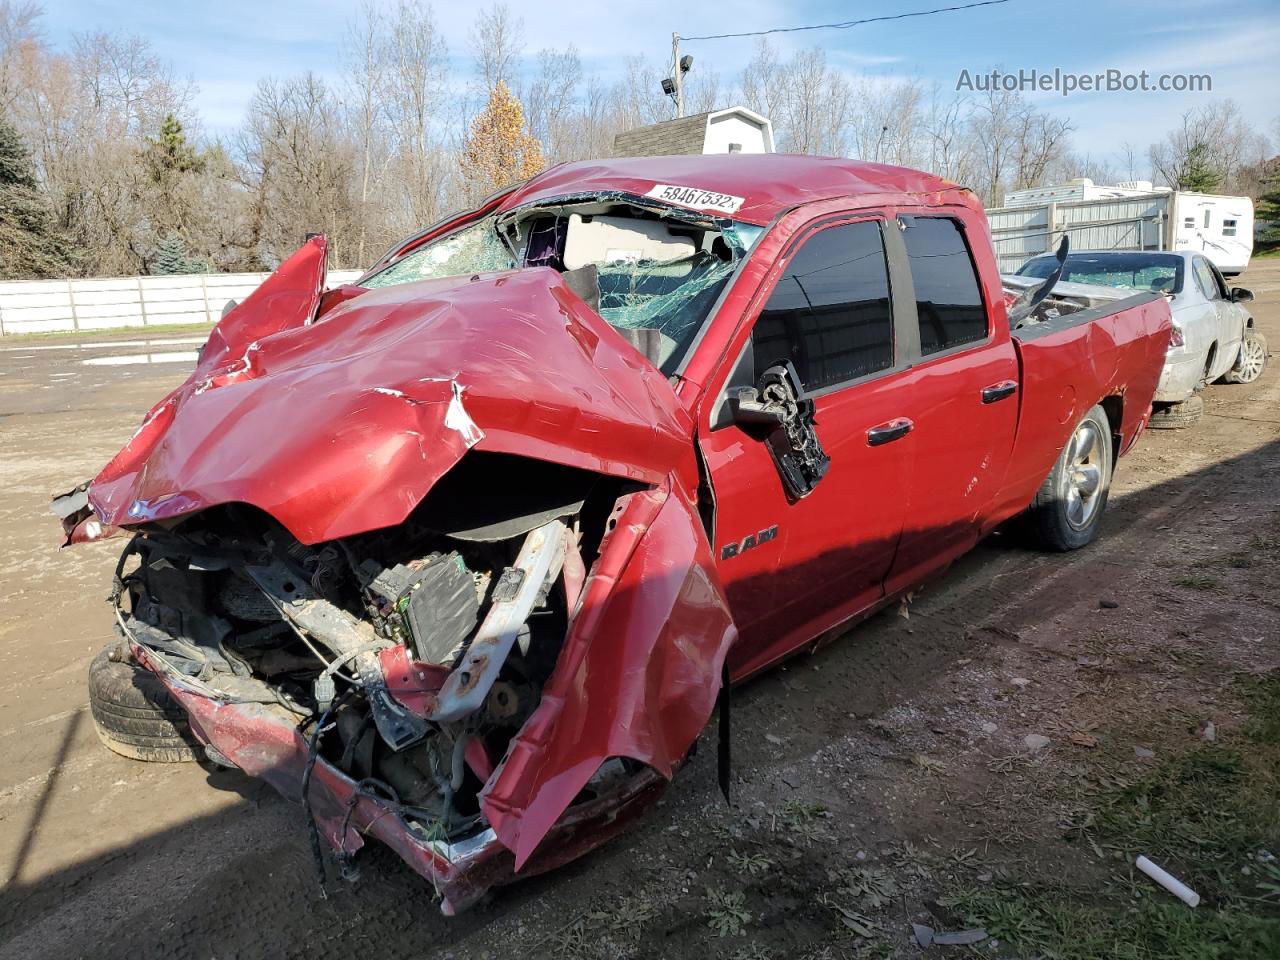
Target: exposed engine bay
409, 656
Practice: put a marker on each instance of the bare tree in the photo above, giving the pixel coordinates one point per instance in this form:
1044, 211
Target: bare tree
811, 105
1129, 160
365, 83
550, 103
21, 48
950, 148
497, 39
1037, 139
416, 97
299, 167
1213, 138
1014, 144
888, 126
761, 81
702, 91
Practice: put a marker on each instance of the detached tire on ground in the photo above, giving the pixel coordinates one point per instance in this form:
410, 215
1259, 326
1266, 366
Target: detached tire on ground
1067, 511
1177, 415
134, 714
1252, 360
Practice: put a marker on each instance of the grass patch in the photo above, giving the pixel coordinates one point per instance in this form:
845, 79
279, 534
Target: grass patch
727, 913
1211, 817
621, 924
1151, 931
1239, 560
1197, 582
1267, 543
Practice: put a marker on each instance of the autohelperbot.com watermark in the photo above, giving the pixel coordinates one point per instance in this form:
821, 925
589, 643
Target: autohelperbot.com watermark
1065, 82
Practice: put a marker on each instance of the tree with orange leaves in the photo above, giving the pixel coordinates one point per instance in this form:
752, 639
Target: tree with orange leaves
499, 150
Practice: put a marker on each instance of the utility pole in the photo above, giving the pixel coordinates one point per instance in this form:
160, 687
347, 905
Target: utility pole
677, 74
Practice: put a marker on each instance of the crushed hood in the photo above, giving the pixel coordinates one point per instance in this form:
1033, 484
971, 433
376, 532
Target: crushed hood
341, 426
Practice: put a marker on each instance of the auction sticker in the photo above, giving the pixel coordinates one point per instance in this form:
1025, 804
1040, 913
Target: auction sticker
695, 199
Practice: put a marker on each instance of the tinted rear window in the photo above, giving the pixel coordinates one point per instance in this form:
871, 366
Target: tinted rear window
948, 301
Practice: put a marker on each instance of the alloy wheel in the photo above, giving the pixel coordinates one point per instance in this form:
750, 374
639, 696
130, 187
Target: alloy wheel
1081, 483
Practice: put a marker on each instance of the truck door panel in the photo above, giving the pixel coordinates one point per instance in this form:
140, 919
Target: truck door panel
793, 566
963, 395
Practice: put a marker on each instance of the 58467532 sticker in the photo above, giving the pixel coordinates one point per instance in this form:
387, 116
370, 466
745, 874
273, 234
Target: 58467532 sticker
695, 198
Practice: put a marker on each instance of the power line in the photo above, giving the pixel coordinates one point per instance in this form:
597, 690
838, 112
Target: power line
848, 23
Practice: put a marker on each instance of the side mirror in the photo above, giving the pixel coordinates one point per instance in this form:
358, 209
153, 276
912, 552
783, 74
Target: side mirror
779, 405
749, 409
1241, 295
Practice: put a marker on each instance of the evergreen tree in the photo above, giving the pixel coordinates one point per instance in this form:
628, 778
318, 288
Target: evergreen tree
31, 245
170, 258
1199, 175
1268, 206
169, 153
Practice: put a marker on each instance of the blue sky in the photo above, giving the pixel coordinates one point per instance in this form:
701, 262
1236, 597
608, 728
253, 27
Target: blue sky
226, 47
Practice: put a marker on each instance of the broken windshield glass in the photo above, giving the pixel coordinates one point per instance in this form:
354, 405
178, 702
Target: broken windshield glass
673, 297
474, 249
640, 290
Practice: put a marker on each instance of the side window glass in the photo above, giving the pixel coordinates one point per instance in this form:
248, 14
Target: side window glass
1204, 279
1219, 283
948, 300
829, 314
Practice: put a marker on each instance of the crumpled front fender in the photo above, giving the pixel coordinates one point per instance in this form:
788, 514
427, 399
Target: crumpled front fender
638, 675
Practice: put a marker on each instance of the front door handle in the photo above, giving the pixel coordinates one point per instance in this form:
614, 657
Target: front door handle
998, 391
888, 432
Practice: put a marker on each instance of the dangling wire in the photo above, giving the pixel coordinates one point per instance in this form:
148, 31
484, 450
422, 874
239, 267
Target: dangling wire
313, 753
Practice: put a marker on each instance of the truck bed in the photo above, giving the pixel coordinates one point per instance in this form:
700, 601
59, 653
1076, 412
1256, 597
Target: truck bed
1114, 350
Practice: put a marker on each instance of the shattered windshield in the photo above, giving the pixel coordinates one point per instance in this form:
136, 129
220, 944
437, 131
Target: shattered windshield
1154, 272
670, 297
653, 277
473, 249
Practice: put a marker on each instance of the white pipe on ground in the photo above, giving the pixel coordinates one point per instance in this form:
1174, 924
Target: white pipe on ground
1169, 882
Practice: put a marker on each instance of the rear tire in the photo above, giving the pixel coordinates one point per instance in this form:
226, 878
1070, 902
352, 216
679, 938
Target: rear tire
1177, 416
1067, 511
133, 713
1252, 360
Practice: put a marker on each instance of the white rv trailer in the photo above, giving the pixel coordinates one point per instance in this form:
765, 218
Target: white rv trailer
1128, 216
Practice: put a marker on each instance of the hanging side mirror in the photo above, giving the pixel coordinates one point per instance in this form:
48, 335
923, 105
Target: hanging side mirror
1241, 295
777, 406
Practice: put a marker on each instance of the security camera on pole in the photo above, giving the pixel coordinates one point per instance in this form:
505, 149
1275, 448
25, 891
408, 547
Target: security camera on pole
673, 86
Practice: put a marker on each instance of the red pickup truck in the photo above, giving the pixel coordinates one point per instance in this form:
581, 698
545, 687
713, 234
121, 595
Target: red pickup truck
462, 554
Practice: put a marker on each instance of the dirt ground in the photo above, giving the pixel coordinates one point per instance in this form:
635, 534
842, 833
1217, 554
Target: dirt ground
885, 780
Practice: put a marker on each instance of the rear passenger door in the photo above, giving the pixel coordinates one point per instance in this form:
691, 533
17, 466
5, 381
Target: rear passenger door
962, 394
794, 567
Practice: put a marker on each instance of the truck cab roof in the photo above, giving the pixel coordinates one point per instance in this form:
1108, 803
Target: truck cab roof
758, 187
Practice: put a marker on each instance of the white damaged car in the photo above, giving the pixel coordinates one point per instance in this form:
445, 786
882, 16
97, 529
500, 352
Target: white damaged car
1214, 337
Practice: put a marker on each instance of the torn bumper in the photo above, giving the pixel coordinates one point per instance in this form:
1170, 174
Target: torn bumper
264, 741
1181, 374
